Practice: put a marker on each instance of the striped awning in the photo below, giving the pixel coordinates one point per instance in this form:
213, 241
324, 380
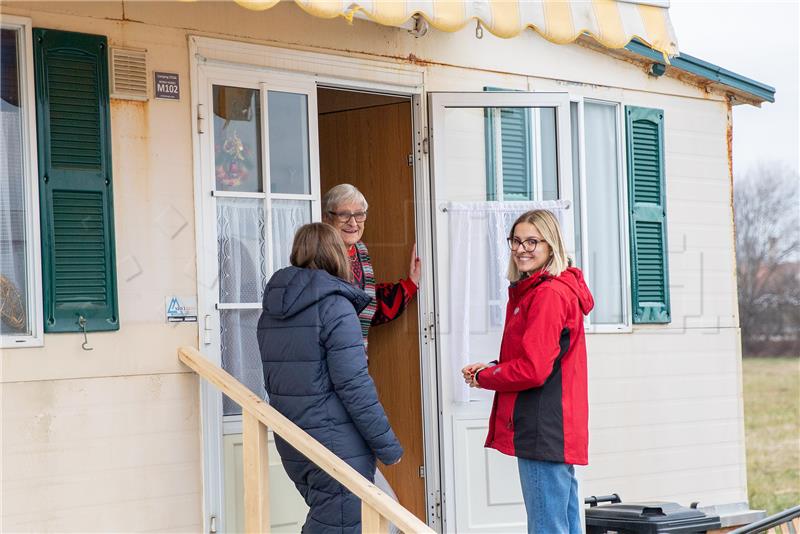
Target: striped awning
612, 23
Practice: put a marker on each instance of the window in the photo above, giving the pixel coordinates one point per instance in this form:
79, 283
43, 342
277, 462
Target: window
521, 165
265, 187
521, 154
598, 196
20, 293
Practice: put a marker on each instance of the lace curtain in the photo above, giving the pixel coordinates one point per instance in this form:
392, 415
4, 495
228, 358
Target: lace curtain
13, 250
243, 275
467, 220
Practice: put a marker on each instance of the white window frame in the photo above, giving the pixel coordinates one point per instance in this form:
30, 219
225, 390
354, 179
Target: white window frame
626, 325
31, 184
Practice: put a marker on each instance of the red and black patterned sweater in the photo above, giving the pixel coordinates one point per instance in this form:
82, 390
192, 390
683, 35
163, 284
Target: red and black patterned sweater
389, 300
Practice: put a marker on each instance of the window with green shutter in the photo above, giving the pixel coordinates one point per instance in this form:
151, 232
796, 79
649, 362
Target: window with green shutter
647, 205
75, 195
509, 156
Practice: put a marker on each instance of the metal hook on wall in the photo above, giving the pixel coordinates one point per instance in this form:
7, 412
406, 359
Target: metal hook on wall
82, 324
478, 29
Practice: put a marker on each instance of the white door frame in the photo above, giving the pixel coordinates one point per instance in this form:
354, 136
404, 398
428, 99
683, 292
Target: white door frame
438, 103
332, 71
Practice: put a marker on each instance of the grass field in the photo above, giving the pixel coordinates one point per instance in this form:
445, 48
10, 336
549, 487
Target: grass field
772, 426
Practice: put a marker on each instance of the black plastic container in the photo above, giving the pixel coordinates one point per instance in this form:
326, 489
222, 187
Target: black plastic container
648, 518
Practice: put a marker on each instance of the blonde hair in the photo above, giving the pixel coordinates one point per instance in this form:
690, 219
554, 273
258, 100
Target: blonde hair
340, 194
319, 246
547, 226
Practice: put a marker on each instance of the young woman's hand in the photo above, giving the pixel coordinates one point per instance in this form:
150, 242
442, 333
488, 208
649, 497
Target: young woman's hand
470, 371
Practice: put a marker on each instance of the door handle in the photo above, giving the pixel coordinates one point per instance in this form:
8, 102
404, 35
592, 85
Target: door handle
207, 330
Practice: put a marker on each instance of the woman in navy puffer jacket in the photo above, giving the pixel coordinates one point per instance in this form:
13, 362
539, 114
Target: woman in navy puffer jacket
315, 372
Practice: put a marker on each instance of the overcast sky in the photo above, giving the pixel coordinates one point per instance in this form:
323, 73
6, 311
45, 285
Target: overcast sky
758, 40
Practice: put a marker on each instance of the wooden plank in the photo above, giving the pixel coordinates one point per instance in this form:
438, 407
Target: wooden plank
372, 522
255, 463
796, 525
305, 444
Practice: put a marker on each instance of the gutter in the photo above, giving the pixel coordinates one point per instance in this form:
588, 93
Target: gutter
709, 71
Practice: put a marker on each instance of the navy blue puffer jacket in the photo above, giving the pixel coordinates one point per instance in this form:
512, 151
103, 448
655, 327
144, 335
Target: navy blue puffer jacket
315, 372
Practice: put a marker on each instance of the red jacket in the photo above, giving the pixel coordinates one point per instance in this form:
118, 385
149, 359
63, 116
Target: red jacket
540, 410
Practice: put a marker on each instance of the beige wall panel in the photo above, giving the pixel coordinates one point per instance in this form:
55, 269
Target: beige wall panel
105, 454
137, 349
113, 10
666, 408
621, 415
154, 218
698, 434
710, 486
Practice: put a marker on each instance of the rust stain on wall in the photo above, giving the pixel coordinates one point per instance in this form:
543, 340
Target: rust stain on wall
130, 141
729, 140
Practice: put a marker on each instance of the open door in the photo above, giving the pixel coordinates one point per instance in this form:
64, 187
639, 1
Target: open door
366, 140
494, 155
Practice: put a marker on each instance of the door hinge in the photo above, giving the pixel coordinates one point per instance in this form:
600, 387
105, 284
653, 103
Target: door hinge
432, 327
411, 160
212, 524
437, 506
422, 471
425, 146
201, 119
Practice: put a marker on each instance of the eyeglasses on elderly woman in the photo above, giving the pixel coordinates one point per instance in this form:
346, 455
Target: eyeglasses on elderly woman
345, 216
529, 245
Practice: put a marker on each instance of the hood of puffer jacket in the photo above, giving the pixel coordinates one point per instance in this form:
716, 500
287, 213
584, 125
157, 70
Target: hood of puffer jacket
293, 289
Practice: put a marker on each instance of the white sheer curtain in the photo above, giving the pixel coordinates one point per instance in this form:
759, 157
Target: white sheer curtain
465, 219
242, 276
241, 230
287, 217
603, 212
13, 249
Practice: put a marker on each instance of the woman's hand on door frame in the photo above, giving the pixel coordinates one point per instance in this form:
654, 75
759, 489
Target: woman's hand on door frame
415, 268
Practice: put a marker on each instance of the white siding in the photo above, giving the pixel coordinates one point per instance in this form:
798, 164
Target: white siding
101, 455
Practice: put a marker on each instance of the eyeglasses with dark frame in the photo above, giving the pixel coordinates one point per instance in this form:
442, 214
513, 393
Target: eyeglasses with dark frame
528, 245
345, 216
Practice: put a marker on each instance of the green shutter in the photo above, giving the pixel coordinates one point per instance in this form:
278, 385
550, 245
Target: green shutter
515, 143
76, 201
648, 215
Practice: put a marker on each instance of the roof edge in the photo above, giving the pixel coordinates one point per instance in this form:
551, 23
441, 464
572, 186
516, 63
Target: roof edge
714, 73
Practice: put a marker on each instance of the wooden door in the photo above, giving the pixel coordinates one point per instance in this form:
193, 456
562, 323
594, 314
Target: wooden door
369, 148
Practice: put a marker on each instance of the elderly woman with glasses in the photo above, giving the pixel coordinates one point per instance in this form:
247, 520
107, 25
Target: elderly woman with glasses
345, 208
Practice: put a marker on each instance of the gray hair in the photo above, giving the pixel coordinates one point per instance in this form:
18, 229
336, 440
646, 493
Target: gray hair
341, 194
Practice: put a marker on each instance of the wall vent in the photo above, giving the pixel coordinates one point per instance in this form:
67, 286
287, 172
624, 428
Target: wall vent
128, 74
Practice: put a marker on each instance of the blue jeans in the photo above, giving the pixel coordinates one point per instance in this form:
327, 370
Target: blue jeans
550, 491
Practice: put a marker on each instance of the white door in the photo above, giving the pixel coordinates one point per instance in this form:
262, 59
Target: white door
259, 182
492, 154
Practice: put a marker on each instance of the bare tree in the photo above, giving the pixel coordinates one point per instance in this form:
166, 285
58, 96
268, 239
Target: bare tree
767, 216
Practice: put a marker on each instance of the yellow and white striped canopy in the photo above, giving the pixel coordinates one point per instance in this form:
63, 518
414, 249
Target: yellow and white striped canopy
613, 23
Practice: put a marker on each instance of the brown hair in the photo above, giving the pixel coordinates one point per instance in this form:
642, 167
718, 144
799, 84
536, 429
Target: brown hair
319, 246
548, 227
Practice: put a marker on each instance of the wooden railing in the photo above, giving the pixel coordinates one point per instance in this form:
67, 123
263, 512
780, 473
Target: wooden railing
377, 508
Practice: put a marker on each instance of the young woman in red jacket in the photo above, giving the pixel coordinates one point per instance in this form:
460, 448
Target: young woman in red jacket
540, 411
